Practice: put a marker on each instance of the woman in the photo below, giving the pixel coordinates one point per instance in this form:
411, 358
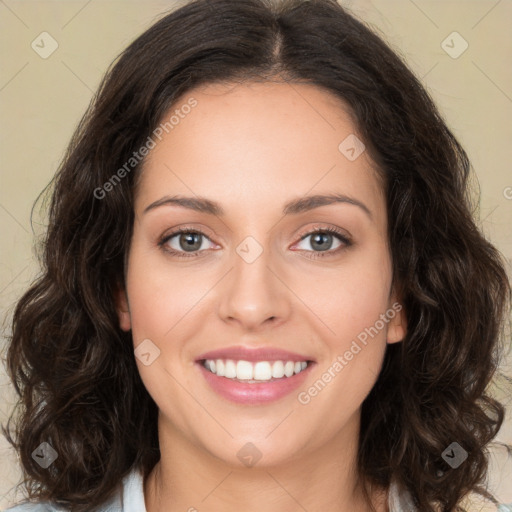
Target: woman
263, 287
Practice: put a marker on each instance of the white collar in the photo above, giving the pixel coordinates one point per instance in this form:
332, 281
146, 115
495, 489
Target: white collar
400, 501
132, 499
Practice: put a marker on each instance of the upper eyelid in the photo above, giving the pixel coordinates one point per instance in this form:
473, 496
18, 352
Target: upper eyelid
321, 228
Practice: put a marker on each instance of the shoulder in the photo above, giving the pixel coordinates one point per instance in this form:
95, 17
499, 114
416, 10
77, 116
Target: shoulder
400, 500
128, 498
34, 507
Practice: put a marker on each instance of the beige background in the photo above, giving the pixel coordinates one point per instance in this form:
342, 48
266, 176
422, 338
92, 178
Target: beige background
42, 100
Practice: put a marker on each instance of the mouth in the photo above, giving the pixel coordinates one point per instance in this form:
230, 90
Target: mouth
253, 376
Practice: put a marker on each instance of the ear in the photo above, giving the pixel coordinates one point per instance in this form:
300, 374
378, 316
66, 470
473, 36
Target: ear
123, 308
397, 326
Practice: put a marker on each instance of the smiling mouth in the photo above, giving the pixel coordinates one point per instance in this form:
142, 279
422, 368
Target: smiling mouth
254, 371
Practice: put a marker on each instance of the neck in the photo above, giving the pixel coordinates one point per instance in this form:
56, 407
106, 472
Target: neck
188, 478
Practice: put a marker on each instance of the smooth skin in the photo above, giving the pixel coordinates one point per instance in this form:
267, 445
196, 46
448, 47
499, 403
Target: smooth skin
252, 148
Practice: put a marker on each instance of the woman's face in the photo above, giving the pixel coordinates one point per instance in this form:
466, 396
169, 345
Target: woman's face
251, 160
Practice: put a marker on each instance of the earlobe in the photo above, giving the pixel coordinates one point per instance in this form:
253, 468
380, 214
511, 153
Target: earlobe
397, 327
123, 309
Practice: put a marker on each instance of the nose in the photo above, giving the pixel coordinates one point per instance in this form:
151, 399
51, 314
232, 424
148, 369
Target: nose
254, 295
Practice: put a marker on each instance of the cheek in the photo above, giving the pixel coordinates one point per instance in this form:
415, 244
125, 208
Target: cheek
160, 296
348, 305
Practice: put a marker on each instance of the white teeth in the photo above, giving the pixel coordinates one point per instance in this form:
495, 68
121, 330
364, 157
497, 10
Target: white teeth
278, 369
288, 368
258, 371
262, 370
221, 368
244, 370
230, 369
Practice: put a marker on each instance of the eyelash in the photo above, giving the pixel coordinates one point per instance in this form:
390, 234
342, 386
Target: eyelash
316, 254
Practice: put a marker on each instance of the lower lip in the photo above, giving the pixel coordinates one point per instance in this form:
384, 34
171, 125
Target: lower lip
256, 393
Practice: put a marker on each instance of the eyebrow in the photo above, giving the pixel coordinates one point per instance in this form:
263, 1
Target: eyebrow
293, 207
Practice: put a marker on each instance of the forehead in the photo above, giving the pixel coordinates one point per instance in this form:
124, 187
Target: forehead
252, 143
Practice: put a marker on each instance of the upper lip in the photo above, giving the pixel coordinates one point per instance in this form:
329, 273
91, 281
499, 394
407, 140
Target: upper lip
240, 352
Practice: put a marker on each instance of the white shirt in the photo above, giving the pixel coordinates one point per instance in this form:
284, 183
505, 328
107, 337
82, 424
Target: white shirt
130, 498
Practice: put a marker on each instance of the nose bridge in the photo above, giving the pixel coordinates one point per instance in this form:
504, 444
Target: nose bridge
252, 294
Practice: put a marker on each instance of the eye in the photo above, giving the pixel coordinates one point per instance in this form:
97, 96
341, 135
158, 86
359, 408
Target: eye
188, 243
322, 240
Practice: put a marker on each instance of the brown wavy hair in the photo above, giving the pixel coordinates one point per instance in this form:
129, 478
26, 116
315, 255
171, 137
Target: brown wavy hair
74, 368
